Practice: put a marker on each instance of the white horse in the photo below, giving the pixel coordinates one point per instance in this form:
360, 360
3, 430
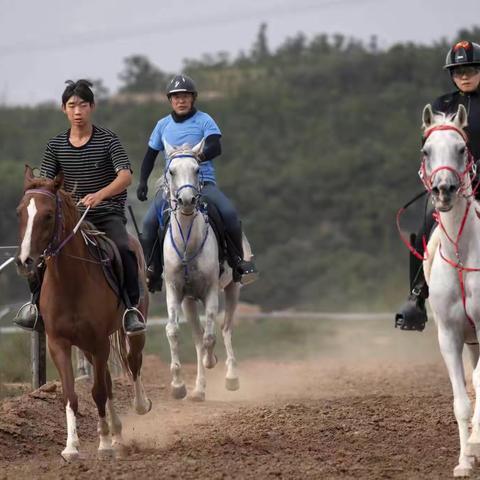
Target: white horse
191, 273
453, 264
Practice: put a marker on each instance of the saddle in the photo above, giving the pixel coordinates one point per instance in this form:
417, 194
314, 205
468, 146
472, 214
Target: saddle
105, 252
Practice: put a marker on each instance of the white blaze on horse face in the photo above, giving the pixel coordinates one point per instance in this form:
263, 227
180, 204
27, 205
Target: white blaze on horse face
27, 238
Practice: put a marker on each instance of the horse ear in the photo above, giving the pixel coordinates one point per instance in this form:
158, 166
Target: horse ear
58, 180
461, 117
198, 148
28, 177
168, 148
427, 116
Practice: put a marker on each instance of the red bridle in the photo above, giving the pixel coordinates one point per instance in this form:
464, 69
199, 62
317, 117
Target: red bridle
427, 180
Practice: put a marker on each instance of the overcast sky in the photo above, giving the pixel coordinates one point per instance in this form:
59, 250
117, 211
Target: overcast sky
43, 43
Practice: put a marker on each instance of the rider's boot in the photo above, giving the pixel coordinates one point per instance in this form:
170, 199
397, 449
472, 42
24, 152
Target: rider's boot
133, 320
413, 314
244, 271
155, 263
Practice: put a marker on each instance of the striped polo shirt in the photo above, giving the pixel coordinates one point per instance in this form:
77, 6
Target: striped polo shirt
89, 168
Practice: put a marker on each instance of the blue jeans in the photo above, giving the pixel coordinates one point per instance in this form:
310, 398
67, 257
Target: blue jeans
213, 196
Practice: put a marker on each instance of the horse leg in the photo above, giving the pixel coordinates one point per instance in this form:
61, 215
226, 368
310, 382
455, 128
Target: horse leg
99, 394
115, 424
141, 403
474, 439
189, 306
209, 338
61, 353
178, 386
473, 354
232, 294
451, 345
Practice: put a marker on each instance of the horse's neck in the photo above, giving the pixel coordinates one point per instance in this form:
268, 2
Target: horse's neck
466, 237
75, 247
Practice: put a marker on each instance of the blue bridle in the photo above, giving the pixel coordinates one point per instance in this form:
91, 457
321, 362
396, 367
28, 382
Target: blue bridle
182, 255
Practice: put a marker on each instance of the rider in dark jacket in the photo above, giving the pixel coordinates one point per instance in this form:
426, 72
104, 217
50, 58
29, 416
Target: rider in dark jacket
463, 64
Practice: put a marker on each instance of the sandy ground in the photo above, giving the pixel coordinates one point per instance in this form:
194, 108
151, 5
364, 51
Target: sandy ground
376, 404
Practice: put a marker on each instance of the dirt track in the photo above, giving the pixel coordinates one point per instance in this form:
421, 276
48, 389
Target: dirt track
371, 409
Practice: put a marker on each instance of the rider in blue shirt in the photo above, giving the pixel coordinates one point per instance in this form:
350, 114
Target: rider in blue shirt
186, 125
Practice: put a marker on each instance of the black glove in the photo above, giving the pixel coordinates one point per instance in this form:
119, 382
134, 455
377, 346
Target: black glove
142, 191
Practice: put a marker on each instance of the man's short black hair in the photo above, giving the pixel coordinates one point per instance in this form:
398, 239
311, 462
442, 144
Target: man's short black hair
81, 88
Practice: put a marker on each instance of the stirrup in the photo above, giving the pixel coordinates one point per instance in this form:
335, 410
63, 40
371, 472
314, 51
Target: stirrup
17, 319
249, 277
413, 314
141, 320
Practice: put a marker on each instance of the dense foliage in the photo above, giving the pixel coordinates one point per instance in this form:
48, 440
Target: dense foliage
321, 140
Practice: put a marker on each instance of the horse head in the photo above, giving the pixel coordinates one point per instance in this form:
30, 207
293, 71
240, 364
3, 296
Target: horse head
37, 220
446, 162
182, 176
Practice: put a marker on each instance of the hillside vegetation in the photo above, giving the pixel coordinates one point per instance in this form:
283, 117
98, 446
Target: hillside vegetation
321, 145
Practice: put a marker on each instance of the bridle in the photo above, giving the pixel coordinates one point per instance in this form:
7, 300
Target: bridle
174, 208
470, 166
56, 244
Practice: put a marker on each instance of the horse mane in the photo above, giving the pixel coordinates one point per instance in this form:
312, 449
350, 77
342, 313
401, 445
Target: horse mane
69, 208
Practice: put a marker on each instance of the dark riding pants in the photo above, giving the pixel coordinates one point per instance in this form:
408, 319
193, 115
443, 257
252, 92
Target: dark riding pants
114, 227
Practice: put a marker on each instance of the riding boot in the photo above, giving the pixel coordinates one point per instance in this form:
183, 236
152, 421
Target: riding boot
155, 265
133, 320
413, 314
244, 271
28, 316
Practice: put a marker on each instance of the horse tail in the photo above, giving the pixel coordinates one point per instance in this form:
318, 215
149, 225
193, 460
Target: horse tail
119, 351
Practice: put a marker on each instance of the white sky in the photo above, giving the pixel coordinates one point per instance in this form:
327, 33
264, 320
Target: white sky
43, 43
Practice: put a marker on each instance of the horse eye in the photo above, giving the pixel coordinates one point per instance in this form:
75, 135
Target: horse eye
424, 151
461, 150
197, 169
171, 172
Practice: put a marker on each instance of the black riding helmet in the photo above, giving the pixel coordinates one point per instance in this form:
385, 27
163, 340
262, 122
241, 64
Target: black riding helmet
463, 53
181, 83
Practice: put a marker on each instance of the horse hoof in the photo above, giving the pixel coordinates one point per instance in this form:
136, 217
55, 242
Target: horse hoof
210, 362
120, 450
232, 384
70, 454
179, 392
460, 471
197, 396
142, 410
105, 453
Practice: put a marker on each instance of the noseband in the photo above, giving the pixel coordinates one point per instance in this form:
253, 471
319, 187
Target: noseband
427, 180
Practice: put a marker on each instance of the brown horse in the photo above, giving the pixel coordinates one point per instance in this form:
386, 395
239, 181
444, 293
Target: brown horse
78, 306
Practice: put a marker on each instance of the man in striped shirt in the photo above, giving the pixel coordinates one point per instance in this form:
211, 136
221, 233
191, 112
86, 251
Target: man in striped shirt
97, 172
